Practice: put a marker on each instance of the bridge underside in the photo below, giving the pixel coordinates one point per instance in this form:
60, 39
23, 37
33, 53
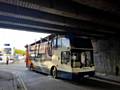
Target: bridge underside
92, 18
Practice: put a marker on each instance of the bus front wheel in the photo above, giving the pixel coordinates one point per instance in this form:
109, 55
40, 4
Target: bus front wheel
54, 72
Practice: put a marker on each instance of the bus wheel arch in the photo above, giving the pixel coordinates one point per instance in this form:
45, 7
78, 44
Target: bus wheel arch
53, 72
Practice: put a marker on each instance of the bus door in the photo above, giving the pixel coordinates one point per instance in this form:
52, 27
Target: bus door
65, 60
63, 45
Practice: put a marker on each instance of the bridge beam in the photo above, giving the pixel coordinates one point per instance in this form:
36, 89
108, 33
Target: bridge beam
62, 15
60, 21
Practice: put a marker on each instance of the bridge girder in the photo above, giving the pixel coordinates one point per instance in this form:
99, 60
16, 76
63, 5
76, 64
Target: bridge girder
60, 16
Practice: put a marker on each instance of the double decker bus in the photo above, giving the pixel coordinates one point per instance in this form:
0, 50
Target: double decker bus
64, 56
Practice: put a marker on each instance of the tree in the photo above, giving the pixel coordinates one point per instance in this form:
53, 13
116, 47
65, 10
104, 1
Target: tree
19, 51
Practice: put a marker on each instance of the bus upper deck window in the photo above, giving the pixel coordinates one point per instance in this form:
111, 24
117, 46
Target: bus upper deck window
54, 43
65, 42
59, 43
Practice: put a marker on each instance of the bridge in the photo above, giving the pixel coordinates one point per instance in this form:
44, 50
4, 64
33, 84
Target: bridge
98, 19
83, 17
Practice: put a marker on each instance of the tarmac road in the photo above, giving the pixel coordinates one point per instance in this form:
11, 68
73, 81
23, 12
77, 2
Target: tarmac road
35, 81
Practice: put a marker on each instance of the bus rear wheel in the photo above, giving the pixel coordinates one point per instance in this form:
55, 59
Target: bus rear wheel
54, 72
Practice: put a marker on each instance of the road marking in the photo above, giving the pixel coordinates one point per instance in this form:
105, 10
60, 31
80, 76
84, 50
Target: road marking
22, 83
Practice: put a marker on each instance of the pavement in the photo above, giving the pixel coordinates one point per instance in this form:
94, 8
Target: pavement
107, 77
8, 81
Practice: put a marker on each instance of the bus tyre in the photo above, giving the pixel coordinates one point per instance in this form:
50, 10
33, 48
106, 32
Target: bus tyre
54, 72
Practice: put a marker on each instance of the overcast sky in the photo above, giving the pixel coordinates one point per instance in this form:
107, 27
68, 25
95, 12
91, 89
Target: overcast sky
19, 38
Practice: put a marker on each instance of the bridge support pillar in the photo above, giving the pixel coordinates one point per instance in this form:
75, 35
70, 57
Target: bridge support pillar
107, 56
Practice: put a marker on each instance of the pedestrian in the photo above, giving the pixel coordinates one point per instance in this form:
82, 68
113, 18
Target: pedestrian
7, 60
117, 70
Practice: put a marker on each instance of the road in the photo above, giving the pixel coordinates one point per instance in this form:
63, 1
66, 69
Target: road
36, 81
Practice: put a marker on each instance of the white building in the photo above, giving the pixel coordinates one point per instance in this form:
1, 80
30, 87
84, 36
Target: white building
6, 52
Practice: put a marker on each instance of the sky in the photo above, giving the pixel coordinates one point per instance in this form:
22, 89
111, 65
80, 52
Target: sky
18, 38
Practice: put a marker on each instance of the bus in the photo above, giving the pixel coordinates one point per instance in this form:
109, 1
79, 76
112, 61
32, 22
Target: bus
63, 56
6, 53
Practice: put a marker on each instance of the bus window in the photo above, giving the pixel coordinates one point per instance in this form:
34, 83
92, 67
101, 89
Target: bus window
49, 48
59, 42
54, 43
39, 57
86, 58
43, 57
65, 42
75, 59
32, 56
83, 58
65, 57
